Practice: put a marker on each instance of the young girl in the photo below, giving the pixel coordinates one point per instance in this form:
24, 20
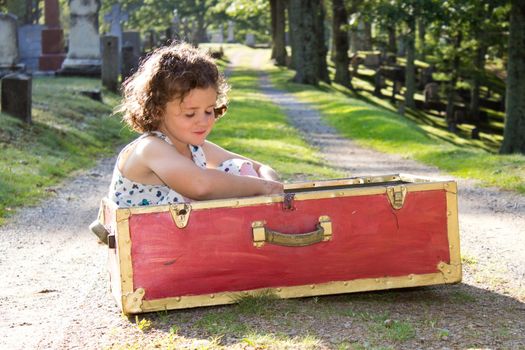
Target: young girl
174, 99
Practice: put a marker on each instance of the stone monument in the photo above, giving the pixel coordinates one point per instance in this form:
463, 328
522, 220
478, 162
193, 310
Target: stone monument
30, 45
8, 44
52, 39
110, 66
83, 57
250, 40
115, 19
231, 28
17, 95
130, 53
175, 26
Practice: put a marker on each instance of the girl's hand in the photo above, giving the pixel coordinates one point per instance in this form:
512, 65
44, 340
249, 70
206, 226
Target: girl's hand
273, 187
266, 172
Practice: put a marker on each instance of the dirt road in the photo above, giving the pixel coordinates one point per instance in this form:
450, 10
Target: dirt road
55, 295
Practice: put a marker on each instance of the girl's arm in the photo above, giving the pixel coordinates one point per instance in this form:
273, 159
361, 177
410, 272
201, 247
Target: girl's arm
182, 175
215, 155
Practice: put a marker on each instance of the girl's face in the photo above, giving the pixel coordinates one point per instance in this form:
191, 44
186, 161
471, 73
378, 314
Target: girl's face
190, 121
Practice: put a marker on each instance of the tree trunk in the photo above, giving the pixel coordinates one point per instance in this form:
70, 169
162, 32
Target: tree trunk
514, 134
421, 36
479, 66
322, 49
367, 42
451, 120
392, 45
291, 29
340, 34
410, 76
278, 25
303, 19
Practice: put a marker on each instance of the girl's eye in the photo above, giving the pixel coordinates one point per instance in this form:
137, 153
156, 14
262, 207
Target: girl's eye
190, 115
208, 112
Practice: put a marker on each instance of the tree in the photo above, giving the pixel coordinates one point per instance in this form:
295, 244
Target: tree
278, 25
322, 49
303, 16
514, 134
341, 44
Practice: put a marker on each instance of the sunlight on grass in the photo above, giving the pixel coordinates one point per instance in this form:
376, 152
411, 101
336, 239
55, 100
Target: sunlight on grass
256, 128
69, 132
379, 127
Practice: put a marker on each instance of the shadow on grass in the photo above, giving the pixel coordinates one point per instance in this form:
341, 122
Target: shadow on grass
453, 316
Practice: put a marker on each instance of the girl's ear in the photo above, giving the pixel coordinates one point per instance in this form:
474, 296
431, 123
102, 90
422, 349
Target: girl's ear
220, 111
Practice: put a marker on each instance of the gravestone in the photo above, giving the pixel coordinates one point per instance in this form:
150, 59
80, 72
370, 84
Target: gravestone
150, 42
250, 39
130, 53
83, 57
115, 18
231, 29
130, 61
16, 96
175, 26
110, 66
217, 37
52, 39
8, 44
132, 38
30, 45
372, 60
431, 93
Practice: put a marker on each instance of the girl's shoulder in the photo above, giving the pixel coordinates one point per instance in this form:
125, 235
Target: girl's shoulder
151, 143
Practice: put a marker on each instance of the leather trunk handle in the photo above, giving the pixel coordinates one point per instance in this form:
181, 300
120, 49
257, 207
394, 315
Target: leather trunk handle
262, 235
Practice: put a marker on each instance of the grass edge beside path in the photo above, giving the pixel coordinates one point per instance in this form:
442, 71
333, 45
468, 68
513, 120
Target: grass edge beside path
389, 132
69, 133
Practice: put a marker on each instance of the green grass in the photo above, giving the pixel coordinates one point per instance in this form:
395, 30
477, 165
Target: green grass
256, 128
69, 132
372, 124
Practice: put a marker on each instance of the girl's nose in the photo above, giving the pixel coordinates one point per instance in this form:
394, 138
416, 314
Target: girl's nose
205, 118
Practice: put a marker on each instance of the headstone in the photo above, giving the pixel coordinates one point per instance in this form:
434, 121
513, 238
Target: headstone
130, 53
401, 46
132, 38
130, 61
431, 93
231, 29
16, 96
186, 30
175, 26
52, 39
151, 40
217, 37
372, 60
115, 19
425, 76
250, 39
8, 40
110, 66
83, 57
30, 45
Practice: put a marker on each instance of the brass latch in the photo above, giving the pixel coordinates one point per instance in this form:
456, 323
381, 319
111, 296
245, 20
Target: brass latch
180, 214
396, 196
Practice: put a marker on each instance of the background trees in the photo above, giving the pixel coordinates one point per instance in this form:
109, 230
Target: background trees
514, 140
474, 47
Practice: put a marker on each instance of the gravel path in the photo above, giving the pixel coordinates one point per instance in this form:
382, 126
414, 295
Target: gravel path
492, 222
55, 287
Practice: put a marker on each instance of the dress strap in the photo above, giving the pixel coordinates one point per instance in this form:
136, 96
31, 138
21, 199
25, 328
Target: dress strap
160, 135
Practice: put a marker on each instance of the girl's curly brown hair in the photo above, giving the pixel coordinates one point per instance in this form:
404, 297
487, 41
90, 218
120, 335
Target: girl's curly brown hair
169, 73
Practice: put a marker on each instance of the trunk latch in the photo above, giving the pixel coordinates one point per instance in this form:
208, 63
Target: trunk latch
396, 196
